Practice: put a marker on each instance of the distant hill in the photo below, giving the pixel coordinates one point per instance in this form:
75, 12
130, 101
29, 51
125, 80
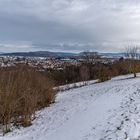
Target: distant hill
58, 54
41, 54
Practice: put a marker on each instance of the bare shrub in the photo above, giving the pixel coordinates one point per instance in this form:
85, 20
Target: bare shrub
23, 90
104, 74
84, 73
132, 56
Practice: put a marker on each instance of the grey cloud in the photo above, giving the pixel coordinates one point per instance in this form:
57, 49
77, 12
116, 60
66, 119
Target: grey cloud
69, 24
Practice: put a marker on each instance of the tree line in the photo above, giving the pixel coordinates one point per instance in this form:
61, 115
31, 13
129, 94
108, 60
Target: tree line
86, 71
91, 69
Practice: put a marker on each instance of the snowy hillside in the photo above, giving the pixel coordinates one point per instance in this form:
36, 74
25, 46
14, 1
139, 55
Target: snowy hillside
102, 111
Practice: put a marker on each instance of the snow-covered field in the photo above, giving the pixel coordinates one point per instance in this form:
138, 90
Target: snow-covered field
75, 85
102, 111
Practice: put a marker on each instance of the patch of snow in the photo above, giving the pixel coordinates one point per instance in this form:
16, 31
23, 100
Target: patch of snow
75, 85
102, 111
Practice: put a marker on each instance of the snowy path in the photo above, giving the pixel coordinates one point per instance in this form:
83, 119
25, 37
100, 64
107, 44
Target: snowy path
104, 111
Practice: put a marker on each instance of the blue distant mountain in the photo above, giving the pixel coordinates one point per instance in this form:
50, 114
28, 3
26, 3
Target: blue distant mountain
41, 54
58, 54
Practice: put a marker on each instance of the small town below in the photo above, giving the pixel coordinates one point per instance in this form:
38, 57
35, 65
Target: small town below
59, 62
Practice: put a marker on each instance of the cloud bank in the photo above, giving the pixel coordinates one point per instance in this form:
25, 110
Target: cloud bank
68, 25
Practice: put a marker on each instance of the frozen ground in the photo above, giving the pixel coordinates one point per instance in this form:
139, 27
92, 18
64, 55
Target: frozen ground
103, 111
74, 85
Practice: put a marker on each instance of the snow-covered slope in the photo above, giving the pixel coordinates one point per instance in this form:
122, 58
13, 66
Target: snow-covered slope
103, 111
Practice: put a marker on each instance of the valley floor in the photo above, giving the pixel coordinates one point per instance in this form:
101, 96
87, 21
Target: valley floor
102, 111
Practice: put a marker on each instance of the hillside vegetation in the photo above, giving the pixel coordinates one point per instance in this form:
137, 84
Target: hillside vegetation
23, 90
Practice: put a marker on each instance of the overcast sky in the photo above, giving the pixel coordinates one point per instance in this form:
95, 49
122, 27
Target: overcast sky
68, 25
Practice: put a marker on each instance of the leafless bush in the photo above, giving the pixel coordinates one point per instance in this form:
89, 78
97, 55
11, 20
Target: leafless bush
132, 55
104, 74
23, 90
84, 73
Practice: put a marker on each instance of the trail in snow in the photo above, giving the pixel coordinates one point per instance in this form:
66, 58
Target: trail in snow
103, 111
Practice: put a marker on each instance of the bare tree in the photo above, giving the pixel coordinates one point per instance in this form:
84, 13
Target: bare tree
90, 57
132, 57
